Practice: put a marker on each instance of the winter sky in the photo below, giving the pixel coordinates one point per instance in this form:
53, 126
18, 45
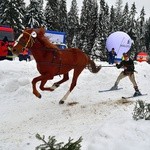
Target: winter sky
139, 4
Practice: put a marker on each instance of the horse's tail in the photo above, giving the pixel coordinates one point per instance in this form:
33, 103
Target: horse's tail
92, 66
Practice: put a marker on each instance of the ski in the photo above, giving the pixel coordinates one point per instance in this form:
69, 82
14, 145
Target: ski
110, 90
127, 97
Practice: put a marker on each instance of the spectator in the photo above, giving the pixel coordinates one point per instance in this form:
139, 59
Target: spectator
25, 55
9, 54
112, 54
3, 48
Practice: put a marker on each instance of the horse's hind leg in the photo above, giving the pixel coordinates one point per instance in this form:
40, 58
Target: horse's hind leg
73, 84
56, 84
65, 97
43, 82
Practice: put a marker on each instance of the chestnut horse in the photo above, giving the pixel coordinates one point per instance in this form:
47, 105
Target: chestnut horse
52, 61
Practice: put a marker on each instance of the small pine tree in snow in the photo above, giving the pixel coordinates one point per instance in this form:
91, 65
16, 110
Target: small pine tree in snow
52, 145
141, 110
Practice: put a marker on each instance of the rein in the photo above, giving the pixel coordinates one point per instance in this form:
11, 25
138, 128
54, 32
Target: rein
108, 66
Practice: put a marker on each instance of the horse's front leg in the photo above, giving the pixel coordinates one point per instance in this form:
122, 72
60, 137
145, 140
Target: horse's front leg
43, 80
56, 84
76, 74
34, 81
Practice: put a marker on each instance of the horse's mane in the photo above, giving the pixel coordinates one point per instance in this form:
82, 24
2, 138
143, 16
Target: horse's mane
44, 40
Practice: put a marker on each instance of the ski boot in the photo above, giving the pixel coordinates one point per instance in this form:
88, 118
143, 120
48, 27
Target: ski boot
137, 93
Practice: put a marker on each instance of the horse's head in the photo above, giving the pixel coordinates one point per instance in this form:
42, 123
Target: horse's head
26, 39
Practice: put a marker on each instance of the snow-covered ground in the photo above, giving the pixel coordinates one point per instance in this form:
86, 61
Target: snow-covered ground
104, 122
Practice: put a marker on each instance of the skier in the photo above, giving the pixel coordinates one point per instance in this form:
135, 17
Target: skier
128, 66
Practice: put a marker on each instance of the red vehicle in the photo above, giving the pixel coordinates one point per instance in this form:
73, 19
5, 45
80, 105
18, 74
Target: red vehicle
6, 41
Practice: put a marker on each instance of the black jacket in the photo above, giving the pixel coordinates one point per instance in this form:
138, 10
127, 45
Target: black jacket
127, 65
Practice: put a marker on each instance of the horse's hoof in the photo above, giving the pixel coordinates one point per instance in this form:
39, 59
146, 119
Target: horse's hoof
56, 85
61, 102
52, 89
39, 96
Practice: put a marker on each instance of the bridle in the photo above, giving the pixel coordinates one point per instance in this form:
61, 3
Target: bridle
31, 40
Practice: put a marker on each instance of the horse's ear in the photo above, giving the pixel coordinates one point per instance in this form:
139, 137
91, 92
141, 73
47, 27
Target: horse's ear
43, 28
42, 31
34, 34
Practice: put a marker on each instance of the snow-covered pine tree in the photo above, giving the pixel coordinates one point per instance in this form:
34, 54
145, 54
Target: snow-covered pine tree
98, 53
133, 26
63, 16
88, 24
132, 15
52, 15
34, 14
83, 24
13, 14
73, 25
92, 25
142, 30
99, 48
112, 19
147, 35
118, 15
125, 19
3, 6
